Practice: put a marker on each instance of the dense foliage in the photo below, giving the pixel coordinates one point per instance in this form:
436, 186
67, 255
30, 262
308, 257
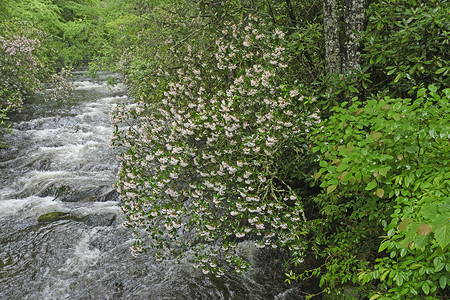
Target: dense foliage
237, 132
39, 41
384, 166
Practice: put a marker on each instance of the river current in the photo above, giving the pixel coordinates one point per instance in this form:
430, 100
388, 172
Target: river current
58, 160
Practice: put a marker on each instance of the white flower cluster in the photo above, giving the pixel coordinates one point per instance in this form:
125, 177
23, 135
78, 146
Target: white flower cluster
200, 164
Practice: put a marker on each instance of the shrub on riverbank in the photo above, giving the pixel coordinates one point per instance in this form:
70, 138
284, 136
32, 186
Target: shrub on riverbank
20, 68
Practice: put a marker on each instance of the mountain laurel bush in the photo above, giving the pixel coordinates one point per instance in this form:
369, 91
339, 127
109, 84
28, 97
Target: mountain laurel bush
201, 153
20, 68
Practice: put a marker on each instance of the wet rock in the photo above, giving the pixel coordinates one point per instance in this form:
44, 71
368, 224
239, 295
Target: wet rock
97, 194
100, 219
53, 191
290, 294
57, 216
94, 220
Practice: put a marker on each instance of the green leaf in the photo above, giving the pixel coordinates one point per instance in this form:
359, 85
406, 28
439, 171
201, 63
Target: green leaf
442, 234
323, 163
383, 276
439, 220
438, 264
380, 193
432, 88
371, 185
424, 229
342, 167
399, 279
399, 76
376, 135
404, 224
352, 89
383, 171
331, 188
442, 70
375, 297
421, 241
443, 281
444, 207
383, 246
426, 288
429, 210
391, 72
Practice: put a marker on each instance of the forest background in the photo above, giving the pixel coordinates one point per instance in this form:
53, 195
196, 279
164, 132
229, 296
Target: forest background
316, 128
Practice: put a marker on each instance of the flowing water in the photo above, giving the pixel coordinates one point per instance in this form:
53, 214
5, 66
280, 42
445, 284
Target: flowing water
58, 160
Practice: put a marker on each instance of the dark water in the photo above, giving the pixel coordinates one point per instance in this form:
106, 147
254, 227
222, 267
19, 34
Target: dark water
58, 160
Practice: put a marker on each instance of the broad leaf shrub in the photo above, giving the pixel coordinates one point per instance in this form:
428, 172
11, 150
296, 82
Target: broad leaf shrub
201, 153
384, 168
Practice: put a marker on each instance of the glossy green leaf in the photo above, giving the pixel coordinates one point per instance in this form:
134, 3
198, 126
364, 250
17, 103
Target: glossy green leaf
443, 281
426, 288
371, 185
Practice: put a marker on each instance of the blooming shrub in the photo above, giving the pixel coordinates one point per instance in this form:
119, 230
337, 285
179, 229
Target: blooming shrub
201, 159
19, 70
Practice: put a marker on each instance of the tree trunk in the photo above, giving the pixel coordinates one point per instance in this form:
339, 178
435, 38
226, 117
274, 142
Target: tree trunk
343, 19
331, 19
354, 14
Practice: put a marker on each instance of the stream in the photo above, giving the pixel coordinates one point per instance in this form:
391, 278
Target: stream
58, 160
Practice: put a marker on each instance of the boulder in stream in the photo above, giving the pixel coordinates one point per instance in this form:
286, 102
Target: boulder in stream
94, 220
96, 194
57, 216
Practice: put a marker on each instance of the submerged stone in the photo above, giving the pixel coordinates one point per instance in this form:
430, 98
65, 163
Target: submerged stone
56, 216
96, 220
97, 194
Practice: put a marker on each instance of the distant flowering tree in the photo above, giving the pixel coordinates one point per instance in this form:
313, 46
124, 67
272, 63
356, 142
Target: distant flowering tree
202, 153
19, 70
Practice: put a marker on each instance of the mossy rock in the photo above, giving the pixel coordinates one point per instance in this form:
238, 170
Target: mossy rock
56, 216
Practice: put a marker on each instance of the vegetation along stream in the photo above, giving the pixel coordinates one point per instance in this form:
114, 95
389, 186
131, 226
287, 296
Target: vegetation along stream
58, 161
224, 149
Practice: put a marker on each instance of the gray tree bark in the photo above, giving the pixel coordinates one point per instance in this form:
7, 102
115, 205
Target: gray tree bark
343, 19
331, 19
354, 15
